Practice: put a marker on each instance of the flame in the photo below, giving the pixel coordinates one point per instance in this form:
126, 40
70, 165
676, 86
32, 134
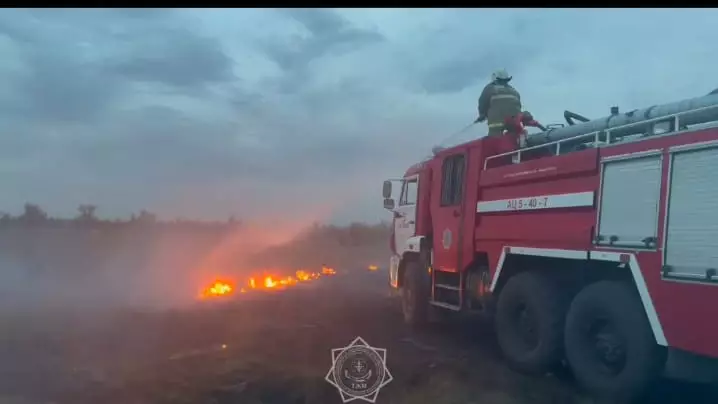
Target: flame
266, 282
288, 281
373, 267
218, 288
269, 282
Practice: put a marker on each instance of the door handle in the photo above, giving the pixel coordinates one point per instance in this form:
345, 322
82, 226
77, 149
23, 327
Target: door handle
410, 222
456, 213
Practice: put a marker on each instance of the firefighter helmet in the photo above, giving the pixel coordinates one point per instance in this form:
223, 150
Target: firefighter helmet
501, 74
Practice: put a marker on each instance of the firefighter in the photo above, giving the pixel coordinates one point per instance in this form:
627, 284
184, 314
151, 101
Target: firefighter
497, 102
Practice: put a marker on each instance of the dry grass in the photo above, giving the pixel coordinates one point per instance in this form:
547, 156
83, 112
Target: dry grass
276, 351
260, 349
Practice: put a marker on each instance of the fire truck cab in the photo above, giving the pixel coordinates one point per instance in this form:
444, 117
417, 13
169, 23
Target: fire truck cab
596, 244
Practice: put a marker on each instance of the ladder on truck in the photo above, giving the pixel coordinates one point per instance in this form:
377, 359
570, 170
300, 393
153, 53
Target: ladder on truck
447, 289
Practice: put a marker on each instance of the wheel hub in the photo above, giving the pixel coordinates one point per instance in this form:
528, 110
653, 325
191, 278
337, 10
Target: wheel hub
526, 326
608, 346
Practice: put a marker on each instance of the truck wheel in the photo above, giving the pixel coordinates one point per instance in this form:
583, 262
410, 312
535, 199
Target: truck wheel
609, 342
415, 295
530, 316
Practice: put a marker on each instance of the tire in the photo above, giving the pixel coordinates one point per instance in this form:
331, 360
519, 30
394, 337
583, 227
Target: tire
415, 295
530, 316
602, 317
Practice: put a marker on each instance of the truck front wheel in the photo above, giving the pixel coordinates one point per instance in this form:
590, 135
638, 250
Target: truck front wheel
529, 322
415, 294
609, 342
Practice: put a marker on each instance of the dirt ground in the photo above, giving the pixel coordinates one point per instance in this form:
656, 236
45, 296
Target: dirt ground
269, 348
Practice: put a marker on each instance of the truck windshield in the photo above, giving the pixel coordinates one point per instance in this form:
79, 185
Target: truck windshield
409, 193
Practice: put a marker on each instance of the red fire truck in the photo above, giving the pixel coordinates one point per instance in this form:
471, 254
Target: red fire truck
594, 244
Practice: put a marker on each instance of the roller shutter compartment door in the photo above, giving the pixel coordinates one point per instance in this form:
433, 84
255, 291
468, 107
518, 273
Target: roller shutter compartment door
692, 231
630, 194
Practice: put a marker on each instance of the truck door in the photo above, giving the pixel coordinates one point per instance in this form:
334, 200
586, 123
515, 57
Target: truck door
405, 214
447, 211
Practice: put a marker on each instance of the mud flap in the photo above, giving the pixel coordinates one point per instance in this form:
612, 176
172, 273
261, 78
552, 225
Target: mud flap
394, 271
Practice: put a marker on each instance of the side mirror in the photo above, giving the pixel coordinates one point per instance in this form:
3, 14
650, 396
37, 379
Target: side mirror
388, 204
386, 190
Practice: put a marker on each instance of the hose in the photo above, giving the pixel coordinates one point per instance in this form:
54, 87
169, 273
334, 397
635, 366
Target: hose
570, 116
464, 129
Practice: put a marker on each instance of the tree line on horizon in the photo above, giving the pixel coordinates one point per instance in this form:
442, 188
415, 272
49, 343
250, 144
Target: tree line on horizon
35, 216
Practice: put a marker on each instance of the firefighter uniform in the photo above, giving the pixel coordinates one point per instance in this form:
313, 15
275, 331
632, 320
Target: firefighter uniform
497, 102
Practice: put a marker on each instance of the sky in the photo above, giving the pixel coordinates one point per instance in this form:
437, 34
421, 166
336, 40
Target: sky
286, 113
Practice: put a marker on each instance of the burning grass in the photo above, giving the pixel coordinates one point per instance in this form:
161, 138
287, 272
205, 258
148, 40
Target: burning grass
223, 287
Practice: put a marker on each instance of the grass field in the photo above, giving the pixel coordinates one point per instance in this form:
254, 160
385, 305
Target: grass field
264, 347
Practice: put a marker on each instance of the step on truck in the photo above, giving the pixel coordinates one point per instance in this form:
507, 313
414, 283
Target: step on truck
594, 244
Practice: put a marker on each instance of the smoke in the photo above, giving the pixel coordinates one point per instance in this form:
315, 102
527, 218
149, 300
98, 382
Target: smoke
156, 268
82, 269
145, 268
235, 252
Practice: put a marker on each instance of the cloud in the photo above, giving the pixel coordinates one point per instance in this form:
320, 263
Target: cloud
298, 112
320, 34
327, 33
463, 63
76, 73
176, 58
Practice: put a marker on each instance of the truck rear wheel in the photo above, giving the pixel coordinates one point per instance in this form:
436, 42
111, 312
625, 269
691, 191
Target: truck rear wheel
415, 295
529, 322
609, 343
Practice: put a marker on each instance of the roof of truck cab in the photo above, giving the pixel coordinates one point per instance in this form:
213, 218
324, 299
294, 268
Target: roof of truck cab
416, 168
